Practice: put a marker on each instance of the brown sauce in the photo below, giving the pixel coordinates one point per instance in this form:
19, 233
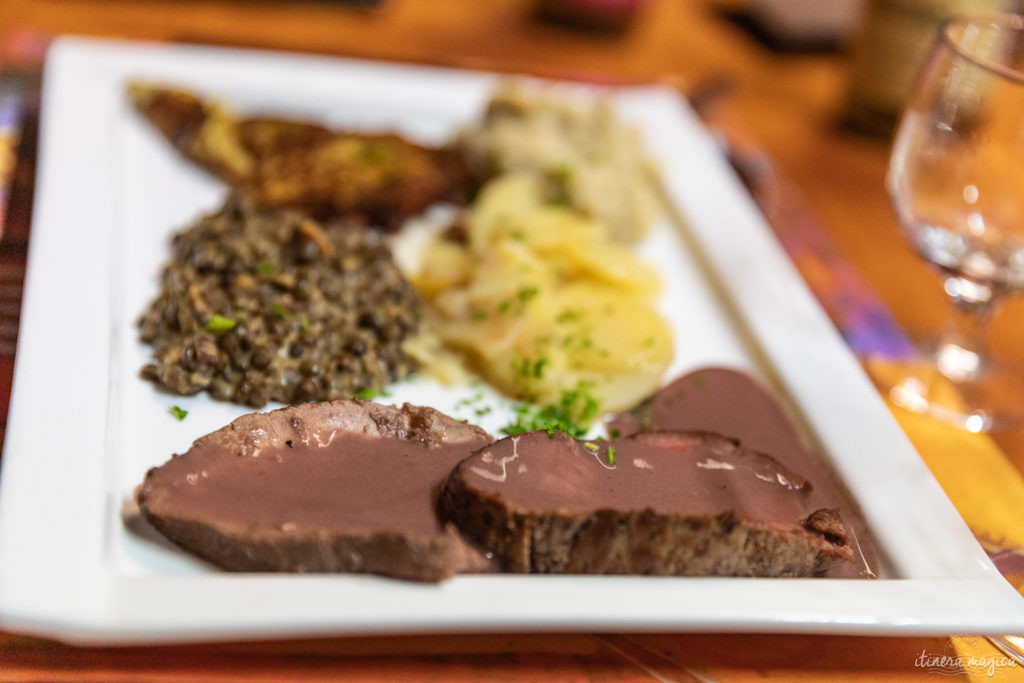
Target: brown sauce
357, 483
692, 474
733, 404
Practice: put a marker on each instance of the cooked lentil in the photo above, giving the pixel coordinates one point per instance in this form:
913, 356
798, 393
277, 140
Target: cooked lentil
263, 305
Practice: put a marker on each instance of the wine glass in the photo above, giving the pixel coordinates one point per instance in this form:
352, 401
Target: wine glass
956, 179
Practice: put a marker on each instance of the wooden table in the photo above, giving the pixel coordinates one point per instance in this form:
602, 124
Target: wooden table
785, 104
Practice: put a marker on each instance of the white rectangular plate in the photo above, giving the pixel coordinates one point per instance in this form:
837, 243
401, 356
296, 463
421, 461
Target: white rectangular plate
84, 427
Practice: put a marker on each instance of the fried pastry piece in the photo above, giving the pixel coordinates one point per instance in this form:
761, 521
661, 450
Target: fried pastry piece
381, 178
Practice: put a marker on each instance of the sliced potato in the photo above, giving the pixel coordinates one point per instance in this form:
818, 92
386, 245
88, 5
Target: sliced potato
539, 299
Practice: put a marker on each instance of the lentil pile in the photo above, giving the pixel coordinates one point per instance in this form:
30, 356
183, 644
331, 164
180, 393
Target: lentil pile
263, 305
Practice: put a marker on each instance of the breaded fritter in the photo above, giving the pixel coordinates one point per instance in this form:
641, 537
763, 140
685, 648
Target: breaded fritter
379, 178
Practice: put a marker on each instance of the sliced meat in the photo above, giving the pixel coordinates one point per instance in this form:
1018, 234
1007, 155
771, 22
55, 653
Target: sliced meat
345, 486
682, 504
734, 404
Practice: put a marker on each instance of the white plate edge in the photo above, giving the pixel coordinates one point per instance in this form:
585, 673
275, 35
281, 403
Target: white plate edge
102, 50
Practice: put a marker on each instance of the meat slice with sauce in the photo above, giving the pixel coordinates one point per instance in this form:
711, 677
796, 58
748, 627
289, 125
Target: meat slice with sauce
735, 405
344, 486
670, 503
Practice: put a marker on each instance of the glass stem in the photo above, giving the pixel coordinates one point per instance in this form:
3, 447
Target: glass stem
961, 352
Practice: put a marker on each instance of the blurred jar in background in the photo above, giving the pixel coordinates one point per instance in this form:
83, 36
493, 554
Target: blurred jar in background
805, 24
889, 49
603, 16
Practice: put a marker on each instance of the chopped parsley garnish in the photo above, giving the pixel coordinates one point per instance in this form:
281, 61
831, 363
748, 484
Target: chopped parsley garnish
530, 368
369, 393
527, 293
611, 455
178, 413
569, 315
578, 342
643, 412
220, 323
573, 414
504, 306
469, 400
518, 235
265, 268
561, 172
560, 200
376, 152
479, 315
304, 323
615, 433
280, 310
474, 402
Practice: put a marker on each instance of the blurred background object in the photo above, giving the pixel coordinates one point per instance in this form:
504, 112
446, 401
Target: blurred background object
806, 22
604, 16
891, 45
796, 26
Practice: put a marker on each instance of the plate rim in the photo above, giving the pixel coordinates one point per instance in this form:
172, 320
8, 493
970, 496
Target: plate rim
90, 605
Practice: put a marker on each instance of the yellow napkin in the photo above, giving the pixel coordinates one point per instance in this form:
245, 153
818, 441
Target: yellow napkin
983, 484
988, 491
